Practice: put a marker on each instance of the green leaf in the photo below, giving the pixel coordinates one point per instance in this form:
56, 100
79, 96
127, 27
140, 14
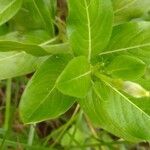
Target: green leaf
45, 15
41, 100
126, 67
3, 29
126, 10
53, 7
27, 18
8, 8
144, 106
116, 113
34, 15
33, 49
133, 37
27, 41
28, 37
58, 48
89, 28
13, 64
75, 78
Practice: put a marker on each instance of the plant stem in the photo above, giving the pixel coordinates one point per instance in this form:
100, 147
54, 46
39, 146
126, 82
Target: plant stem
55, 132
8, 102
31, 135
66, 126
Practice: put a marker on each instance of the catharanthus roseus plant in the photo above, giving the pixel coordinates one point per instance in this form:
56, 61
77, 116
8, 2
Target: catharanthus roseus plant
96, 55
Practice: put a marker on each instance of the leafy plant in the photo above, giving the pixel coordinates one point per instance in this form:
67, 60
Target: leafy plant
97, 57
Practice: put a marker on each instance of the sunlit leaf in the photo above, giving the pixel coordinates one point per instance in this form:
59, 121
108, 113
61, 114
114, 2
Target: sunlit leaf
75, 76
13, 64
90, 27
116, 113
8, 8
41, 99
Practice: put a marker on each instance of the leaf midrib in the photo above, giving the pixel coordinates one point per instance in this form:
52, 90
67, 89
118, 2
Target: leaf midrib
39, 13
11, 56
89, 30
123, 69
126, 99
5, 8
52, 89
125, 49
31, 114
98, 94
75, 78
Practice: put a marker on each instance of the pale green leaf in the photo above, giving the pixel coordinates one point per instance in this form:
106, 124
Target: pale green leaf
58, 48
135, 90
33, 49
146, 105
13, 64
126, 67
27, 41
8, 8
116, 113
89, 26
126, 10
28, 37
41, 100
75, 78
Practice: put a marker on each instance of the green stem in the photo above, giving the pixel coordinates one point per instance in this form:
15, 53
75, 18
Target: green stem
8, 103
55, 132
31, 135
66, 126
